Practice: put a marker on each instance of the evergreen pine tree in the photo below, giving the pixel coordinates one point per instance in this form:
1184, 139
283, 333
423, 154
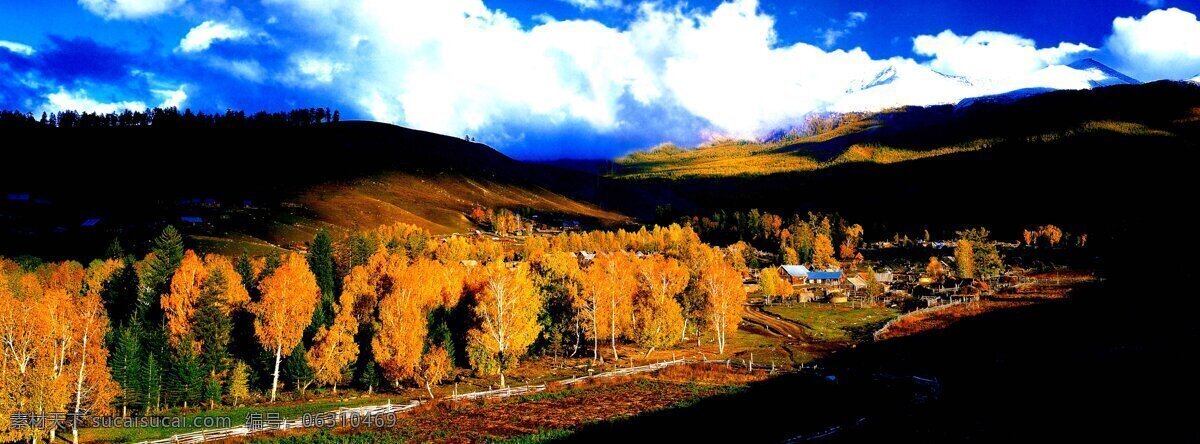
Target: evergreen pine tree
168, 254
184, 379
296, 370
126, 367
246, 271
320, 261
150, 382
212, 329
369, 377
121, 295
114, 250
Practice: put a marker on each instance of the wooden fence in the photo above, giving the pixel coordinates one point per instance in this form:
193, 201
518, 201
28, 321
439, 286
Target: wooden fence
334, 416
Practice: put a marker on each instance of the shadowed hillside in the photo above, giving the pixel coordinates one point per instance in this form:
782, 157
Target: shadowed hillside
1091, 159
235, 188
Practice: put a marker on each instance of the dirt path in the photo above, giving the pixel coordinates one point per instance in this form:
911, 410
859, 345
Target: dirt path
776, 325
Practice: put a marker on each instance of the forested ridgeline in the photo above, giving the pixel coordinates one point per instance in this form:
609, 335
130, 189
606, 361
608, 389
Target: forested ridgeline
393, 306
165, 154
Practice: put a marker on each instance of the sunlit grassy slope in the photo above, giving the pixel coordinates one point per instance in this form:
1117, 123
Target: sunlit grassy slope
437, 202
257, 190
909, 134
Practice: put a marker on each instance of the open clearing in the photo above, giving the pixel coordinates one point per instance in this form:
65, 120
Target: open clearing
827, 322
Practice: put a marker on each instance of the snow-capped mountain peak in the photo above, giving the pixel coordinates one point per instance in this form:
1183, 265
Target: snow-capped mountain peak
1109, 76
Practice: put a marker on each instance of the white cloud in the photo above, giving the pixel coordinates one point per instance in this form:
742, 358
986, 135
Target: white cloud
314, 70
830, 36
249, 70
203, 35
18, 48
171, 98
129, 9
993, 56
595, 4
79, 100
1162, 44
458, 66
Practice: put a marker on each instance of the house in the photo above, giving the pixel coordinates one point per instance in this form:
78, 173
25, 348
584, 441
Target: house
857, 283
825, 277
885, 278
794, 274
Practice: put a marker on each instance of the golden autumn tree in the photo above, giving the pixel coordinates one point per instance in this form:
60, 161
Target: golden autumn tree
53, 356
179, 306
771, 285
190, 280
26, 378
289, 297
659, 317
453, 249
964, 258
334, 347
94, 386
725, 299
435, 366
607, 296
507, 311
403, 311
934, 269
823, 251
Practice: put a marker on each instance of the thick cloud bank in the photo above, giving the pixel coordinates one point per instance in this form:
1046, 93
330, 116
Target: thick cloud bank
547, 88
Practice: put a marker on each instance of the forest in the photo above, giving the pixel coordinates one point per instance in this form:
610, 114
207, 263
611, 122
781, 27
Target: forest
381, 309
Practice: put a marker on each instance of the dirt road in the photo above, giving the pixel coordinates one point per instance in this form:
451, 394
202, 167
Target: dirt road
775, 325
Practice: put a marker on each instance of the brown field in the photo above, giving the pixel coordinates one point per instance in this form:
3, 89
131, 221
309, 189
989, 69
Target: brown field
555, 409
436, 202
1048, 286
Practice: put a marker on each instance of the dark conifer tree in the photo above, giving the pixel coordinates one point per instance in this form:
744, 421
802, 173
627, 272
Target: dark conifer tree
126, 367
184, 379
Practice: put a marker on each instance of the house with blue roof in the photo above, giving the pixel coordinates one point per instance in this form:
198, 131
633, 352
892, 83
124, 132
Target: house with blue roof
825, 277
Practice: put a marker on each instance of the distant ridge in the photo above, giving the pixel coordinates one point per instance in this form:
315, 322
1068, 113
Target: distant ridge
1112, 76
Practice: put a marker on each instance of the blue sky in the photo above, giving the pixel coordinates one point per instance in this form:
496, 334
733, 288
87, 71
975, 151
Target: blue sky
573, 78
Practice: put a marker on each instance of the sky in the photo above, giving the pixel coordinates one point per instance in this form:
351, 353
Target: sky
574, 78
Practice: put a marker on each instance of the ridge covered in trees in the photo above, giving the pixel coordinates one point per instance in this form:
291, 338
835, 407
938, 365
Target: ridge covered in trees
172, 118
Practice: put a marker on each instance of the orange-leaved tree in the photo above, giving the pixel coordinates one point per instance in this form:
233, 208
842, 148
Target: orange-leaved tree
190, 280
435, 365
94, 386
179, 306
725, 297
608, 289
289, 297
507, 311
659, 317
403, 317
334, 347
823, 251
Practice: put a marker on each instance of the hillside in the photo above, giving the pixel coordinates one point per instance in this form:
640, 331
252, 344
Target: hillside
913, 133
234, 189
1091, 158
